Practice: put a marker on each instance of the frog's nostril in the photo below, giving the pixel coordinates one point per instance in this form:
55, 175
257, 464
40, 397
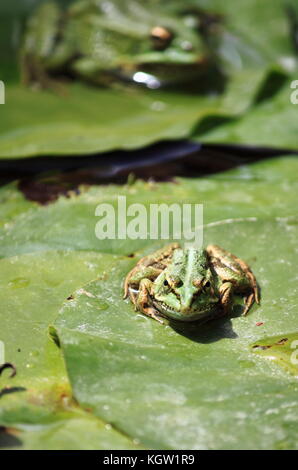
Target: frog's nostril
186, 46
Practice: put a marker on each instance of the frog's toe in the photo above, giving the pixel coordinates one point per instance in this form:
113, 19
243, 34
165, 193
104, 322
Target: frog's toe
249, 301
226, 296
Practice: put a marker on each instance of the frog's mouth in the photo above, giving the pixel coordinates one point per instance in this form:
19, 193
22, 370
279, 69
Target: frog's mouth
167, 311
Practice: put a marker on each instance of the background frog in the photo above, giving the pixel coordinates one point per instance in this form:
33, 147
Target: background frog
154, 44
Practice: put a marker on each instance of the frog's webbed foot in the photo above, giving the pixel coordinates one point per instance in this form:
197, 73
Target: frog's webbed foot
143, 302
226, 292
254, 296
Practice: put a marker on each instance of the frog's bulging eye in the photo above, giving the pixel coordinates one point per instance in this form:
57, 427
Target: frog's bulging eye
165, 283
160, 37
207, 284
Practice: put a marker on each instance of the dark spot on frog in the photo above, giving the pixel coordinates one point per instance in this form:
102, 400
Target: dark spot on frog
131, 255
71, 297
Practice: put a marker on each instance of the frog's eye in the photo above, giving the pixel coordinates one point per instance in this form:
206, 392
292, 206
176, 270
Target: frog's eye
208, 288
160, 37
165, 283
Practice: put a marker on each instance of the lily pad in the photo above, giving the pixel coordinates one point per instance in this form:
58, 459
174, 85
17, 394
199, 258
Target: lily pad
12, 203
86, 121
69, 223
36, 406
271, 124
189, 386
162, 386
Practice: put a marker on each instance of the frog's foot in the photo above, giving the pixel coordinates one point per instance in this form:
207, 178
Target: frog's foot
33, 73
226, 294
255, 295
232, 269
143, 302
152, 313
249, 301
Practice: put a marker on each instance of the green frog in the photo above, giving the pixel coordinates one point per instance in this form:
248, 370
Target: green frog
190, 284
107, 41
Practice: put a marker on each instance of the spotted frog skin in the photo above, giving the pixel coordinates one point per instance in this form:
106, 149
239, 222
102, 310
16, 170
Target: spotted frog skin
189, 284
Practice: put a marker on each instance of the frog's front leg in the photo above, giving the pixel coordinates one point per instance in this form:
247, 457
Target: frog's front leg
143, 300
226, 295
148, 267
135, 276
235, 276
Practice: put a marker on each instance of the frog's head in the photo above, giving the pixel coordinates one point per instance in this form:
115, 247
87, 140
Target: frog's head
153, 45
185, 290
171, 52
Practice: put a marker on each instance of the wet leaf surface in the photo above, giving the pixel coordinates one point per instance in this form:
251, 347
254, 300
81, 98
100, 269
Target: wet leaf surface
37, 402
70, 223
200, 386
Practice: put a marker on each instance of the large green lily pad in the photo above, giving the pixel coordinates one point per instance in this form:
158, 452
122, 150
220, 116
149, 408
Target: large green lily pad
271, 124
189, 387
164, 386
69, 223
12, 203
36, 406
87, 121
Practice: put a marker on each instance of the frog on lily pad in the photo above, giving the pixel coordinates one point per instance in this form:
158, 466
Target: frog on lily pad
107, 41
190, 284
